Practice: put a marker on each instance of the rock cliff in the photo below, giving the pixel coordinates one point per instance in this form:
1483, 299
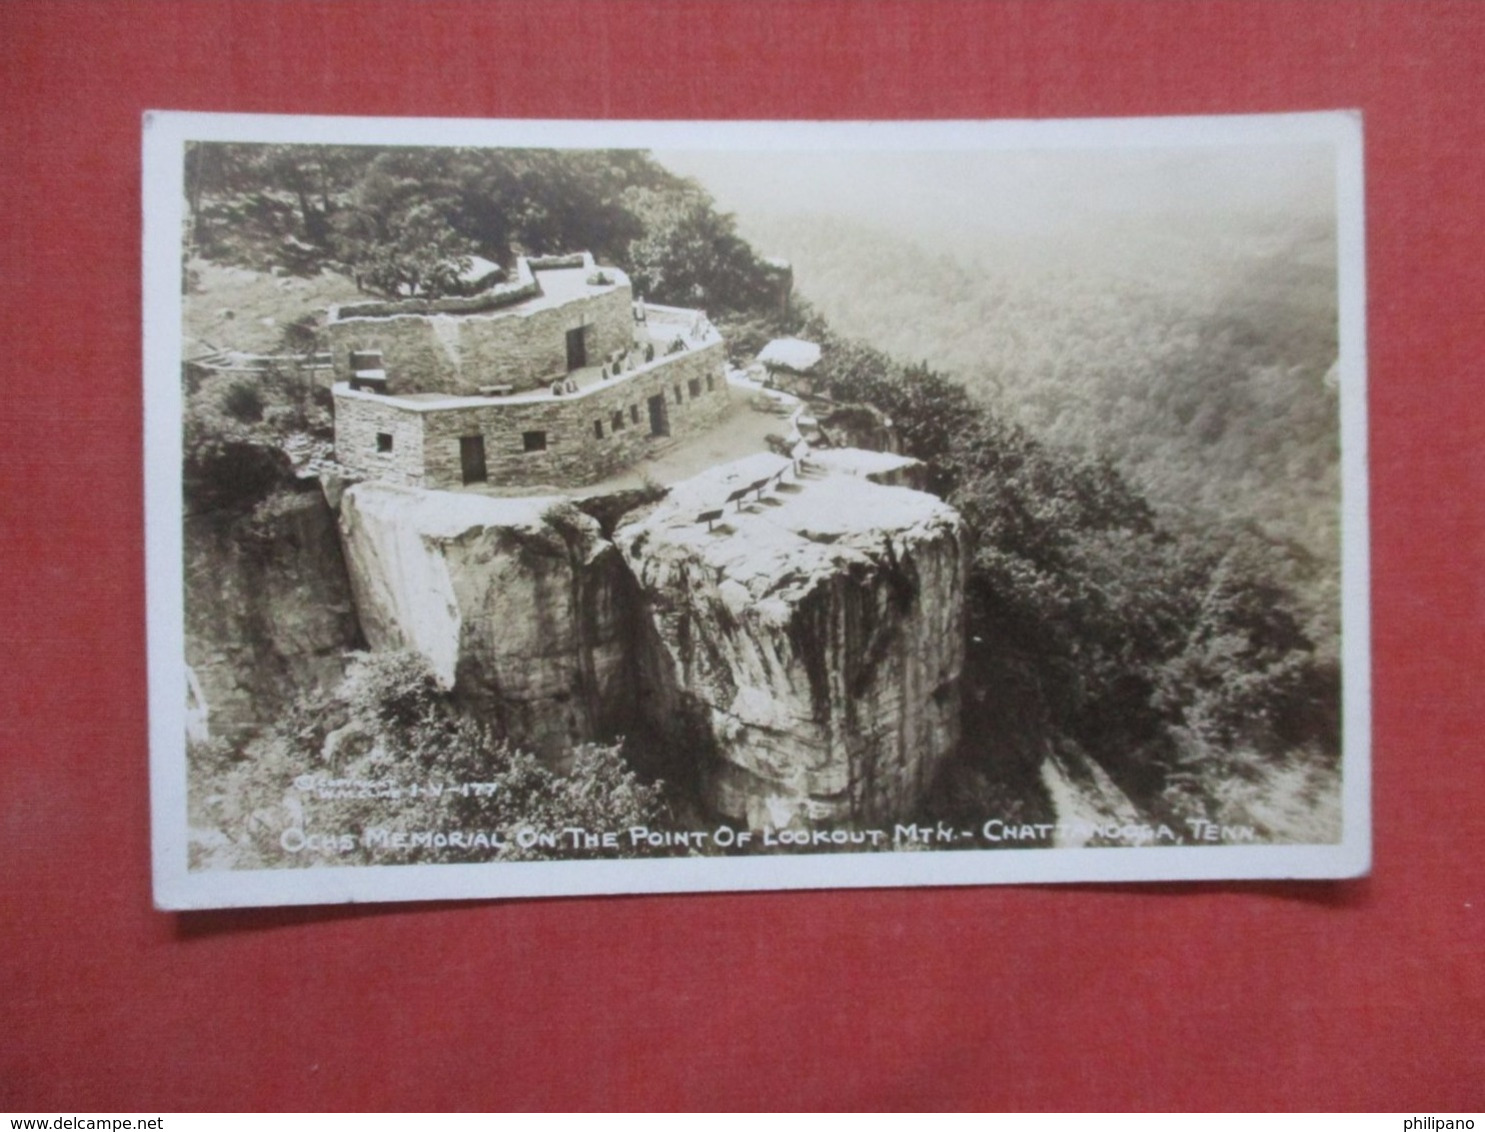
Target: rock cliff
518, 604
268, 610
811, 637
801, 653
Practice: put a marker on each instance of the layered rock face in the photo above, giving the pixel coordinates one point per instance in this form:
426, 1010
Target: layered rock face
518, 605
812, 638
803, 651
268, 611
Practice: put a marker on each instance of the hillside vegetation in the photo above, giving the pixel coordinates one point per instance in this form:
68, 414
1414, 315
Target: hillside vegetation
1197, 363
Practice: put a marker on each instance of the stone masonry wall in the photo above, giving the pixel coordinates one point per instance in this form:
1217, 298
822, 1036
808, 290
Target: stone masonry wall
443, 353
359, 420
425, 445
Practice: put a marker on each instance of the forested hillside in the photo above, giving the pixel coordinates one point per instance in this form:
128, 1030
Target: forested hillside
407, 221
1198, 362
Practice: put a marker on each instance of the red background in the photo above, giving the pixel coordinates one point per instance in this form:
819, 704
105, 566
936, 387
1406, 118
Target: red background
1365, 994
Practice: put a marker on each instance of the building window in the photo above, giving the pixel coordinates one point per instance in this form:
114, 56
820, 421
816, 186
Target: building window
616, 422
634, 414
695, 386
534, 441
679, 400
711, 383
384, 442
598, 429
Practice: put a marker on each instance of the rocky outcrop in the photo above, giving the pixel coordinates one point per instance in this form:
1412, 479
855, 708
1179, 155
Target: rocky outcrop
268, 610
886, 468
799, 656
858, 426
518, 605
810, 638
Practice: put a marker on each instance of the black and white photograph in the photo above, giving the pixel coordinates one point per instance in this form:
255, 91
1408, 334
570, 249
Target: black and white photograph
543, 508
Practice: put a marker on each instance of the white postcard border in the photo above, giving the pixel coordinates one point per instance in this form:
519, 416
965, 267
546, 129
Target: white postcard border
177, 888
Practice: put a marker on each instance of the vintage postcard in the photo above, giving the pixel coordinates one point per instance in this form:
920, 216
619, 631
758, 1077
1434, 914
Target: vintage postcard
544, 508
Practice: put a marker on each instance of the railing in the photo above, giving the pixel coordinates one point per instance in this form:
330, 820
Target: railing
223, 362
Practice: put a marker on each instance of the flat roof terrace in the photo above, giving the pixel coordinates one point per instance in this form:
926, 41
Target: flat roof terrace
536, 287
564, 284
743, 431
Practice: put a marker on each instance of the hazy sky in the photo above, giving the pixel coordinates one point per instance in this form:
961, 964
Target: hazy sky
948, 195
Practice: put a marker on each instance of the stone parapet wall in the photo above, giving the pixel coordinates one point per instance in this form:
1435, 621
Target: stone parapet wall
575, 455
426, 440
502, 295
459, 353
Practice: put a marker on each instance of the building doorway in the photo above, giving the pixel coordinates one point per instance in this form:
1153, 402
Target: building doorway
659, 420
472, 458
577, 349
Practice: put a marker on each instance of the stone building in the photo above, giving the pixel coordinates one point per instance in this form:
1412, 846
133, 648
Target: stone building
555, 379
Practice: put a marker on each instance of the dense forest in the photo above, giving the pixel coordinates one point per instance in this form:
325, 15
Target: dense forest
405, 222
1200, 363
1150, 594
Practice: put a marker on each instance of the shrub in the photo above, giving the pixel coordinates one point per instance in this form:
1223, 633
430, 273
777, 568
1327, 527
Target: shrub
243, 402
390, 724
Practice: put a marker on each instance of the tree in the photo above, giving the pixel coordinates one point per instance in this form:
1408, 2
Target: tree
399, 233
930, 412
691, 255
1243, 667
280, 198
